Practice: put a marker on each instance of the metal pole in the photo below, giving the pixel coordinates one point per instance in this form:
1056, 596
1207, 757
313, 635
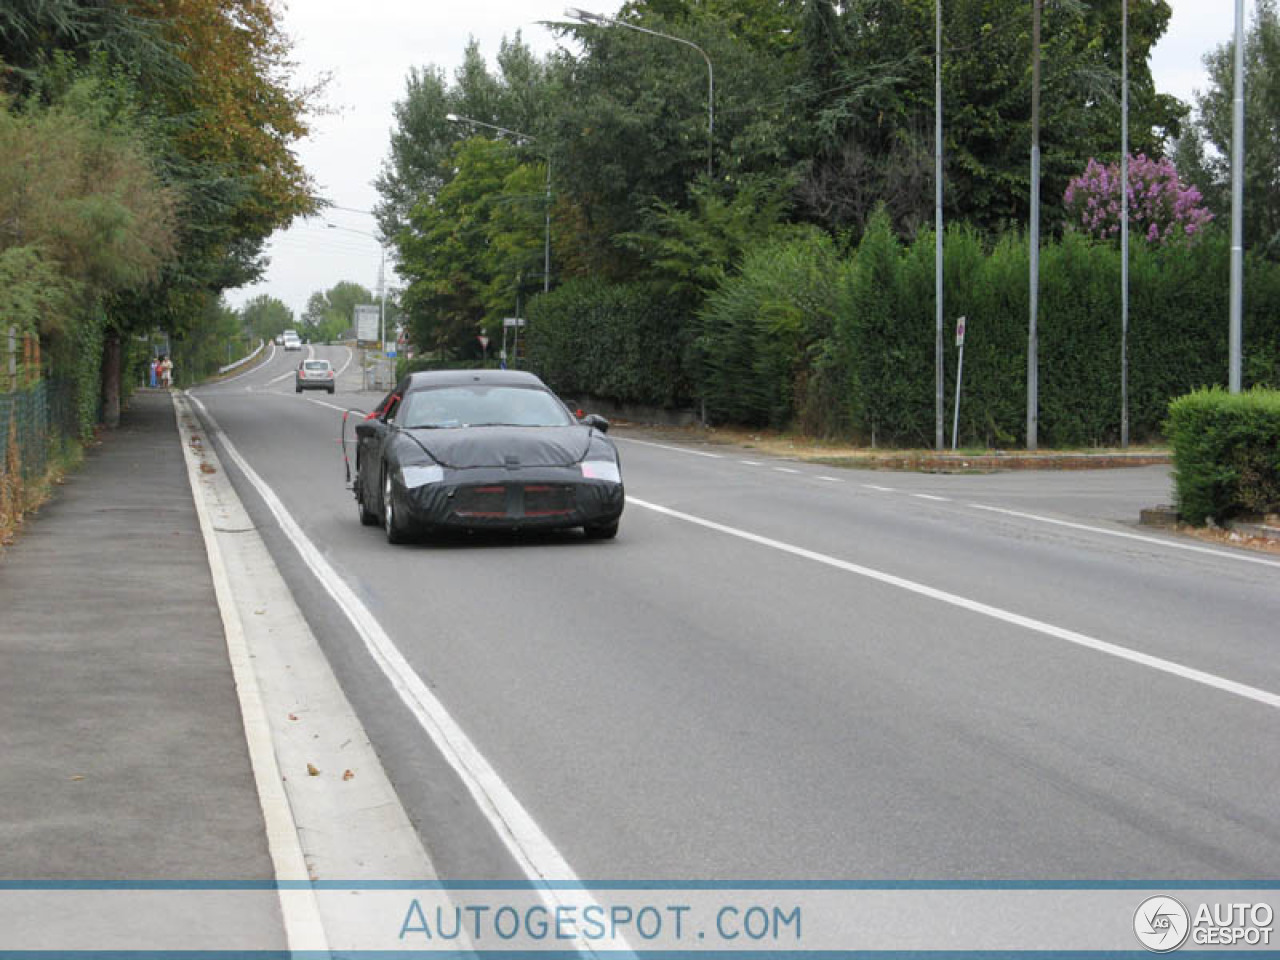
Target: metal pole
711, 115
955, 425
1124, 224
382, 310
546, 236
1237, 207
938, 369
1033, 384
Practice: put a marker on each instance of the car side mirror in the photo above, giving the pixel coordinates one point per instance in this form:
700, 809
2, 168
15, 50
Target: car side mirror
596, 421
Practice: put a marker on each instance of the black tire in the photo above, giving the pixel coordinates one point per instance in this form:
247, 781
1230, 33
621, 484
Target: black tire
297, 389
395, 528
367, 517
601, 531
331, 391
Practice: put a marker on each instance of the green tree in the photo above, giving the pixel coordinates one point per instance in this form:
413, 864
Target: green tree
203, 87
868, 95
264, 317
419, 162
1211, 170
330, 314
444, 252
630, 128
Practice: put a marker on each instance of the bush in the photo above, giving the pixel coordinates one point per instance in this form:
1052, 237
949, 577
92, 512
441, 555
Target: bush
1226, 453
759, 329
620, 342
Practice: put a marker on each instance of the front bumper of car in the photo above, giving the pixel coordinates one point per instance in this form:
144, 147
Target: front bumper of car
496, 498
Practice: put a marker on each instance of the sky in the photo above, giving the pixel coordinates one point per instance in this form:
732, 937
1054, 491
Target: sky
368, 58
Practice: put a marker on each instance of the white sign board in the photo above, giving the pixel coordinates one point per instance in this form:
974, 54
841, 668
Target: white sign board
513, 321
367, 323
960, 332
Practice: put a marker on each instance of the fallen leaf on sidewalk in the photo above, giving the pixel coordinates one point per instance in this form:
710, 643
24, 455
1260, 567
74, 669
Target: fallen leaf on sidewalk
78, 777
292, 717
347, 775
206, 468
313, 770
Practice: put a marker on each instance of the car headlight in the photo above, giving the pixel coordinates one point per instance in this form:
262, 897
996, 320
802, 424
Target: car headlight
601, 470
420, 474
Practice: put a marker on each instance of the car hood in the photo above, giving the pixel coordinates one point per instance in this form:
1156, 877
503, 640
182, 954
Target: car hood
511, 447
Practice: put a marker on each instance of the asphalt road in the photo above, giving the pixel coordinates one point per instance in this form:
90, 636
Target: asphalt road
791, 672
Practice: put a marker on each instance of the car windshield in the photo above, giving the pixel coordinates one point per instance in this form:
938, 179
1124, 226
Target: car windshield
481, 405
317, 364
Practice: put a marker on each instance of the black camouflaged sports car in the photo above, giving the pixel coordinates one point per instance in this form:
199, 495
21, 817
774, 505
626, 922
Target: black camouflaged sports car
484, 449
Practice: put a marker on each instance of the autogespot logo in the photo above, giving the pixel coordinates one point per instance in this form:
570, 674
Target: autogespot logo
1161, 924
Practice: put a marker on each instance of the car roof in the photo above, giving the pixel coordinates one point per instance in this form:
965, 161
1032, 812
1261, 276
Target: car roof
455, 378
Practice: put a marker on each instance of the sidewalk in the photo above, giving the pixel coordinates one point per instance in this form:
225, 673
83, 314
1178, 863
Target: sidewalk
122, 750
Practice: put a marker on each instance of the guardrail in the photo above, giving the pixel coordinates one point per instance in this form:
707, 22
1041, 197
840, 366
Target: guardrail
243, 360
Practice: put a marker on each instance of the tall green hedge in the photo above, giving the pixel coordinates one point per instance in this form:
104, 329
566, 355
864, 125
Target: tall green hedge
842, 344
1226, 453
624, 342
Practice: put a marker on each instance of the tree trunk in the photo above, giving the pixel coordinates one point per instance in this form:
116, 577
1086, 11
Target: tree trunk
111, 380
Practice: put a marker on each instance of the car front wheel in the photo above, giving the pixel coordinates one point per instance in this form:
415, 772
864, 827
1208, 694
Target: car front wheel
367, 517
391, 522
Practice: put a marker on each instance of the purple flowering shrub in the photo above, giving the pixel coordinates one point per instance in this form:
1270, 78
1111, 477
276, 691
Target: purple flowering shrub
1160, 207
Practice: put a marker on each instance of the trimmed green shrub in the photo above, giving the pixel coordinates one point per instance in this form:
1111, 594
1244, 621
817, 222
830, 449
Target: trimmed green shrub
1226, 453
621, 342
759, 331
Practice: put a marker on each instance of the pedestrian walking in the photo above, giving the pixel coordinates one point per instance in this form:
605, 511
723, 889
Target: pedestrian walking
166, 372
154, 363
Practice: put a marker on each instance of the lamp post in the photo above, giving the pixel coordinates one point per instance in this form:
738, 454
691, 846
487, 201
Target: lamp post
585, 16
382, 286
546, 241
1124, 224
1236, 304
938, 371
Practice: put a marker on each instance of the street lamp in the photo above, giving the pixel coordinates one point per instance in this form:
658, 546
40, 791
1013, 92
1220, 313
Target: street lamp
585, 16
546, 239
382, 286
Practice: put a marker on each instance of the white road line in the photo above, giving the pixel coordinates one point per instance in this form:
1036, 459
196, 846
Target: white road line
829, 479
930, 496
1225, 554
531, 848
872, 486
331, 406
283, 376
785, 470
751, 463
350, 356
663, 446
1265, 697
299, 910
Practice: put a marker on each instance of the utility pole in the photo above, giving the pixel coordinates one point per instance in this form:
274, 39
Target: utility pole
1235, 325
1124, 224
1033, 382
938, 370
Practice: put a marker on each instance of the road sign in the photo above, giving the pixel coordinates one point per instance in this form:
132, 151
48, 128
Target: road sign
513, 321
484, 342
367, 323
960, 332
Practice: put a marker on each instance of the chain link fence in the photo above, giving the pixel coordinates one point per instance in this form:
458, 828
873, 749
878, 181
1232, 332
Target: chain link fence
34, 422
